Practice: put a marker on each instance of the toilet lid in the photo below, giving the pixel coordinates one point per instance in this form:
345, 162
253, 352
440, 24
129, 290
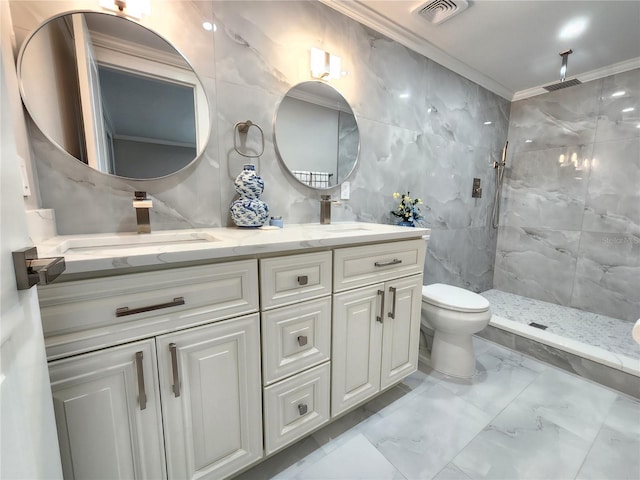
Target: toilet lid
454, 298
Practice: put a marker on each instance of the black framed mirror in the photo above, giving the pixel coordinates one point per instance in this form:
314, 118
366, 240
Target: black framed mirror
316, 135
114, 95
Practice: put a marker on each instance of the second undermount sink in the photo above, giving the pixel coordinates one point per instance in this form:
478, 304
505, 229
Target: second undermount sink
124, 241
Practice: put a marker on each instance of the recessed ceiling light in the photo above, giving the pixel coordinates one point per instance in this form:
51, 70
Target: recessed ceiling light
619, 93
404, 95
573, 28
627, 110
528, 140
488, 123
208, 26
638, 125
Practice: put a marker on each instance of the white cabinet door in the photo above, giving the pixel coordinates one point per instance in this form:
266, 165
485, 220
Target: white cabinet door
211, 396
107, 409
356, 347
401, 332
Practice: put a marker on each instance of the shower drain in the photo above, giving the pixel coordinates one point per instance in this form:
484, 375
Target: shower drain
538, 325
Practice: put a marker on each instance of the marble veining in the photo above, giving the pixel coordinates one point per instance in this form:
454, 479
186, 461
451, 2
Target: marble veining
85, 254
517, 418
260, 50
571, 185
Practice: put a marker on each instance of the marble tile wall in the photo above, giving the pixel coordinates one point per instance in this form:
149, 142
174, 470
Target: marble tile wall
570, 216
422, 130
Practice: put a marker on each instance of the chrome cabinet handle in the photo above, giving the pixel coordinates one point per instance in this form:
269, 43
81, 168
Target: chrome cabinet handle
142, 394
174, 367
392, 313
302, 408
302, 340
381, 295
303, 280
124, 311
395, 261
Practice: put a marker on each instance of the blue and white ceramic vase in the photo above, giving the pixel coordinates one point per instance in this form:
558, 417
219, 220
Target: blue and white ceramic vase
248, 210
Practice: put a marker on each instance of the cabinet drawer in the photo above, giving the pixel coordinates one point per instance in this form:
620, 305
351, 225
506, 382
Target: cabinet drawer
296, 406
84, 315
358, 266
295, 337
291, 279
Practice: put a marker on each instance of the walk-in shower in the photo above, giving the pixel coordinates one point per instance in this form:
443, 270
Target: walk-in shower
567, 248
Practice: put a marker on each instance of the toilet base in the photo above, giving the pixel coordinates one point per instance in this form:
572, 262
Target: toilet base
453, 354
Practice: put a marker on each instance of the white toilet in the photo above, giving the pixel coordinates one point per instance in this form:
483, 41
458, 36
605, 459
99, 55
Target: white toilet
454, 314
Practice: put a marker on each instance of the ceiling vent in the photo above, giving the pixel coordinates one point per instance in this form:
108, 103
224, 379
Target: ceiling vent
437, 11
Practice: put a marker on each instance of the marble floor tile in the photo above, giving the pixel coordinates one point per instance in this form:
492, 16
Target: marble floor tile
451, 472
500, 377
424, 436
549, 425
568, 401
519, 444
356, 459
615, 453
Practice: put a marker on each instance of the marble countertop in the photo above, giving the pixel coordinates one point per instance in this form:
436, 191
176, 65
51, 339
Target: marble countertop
90, 253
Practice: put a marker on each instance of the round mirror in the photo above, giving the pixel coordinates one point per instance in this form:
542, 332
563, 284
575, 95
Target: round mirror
114, 95
316, 135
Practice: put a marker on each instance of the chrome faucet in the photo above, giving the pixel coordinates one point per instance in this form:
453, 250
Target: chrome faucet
325, 209
142, 205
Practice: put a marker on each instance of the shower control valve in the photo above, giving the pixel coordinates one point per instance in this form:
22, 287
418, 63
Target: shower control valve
476, 191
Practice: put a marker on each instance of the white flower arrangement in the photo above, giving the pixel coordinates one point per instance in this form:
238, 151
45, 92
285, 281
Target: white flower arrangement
408, 209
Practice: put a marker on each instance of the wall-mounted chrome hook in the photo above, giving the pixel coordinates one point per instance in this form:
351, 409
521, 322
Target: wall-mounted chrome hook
31, 270
243, 128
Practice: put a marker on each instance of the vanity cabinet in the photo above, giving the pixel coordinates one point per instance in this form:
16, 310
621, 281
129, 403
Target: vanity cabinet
108, 414
296, 345
210, 391
376, 327
200, 386
182, 404
199, 372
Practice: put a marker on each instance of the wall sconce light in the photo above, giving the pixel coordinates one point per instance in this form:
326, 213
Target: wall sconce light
134, 8
324, 65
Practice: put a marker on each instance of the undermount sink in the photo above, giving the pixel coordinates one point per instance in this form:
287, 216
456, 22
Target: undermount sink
121, 241
337, 228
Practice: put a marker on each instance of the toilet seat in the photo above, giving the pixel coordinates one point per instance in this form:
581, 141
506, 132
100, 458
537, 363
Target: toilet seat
454, 298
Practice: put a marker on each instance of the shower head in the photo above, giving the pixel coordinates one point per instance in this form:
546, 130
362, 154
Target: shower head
560, 85
563, 75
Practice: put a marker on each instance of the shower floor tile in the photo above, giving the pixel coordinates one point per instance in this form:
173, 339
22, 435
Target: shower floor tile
607, 333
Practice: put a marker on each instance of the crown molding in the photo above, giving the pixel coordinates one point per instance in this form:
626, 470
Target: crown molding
607, 71
359, 12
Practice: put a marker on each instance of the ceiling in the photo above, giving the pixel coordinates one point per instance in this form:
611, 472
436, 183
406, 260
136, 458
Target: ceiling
512, 47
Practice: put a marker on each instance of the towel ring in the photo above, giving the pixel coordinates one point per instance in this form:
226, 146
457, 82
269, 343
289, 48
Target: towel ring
243, 127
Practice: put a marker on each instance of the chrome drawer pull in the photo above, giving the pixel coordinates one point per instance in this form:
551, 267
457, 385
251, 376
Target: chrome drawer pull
303, 280
302, 408
395, 261
302, 340
392, 313
174, 367
124, 311
142, 394
381, 295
